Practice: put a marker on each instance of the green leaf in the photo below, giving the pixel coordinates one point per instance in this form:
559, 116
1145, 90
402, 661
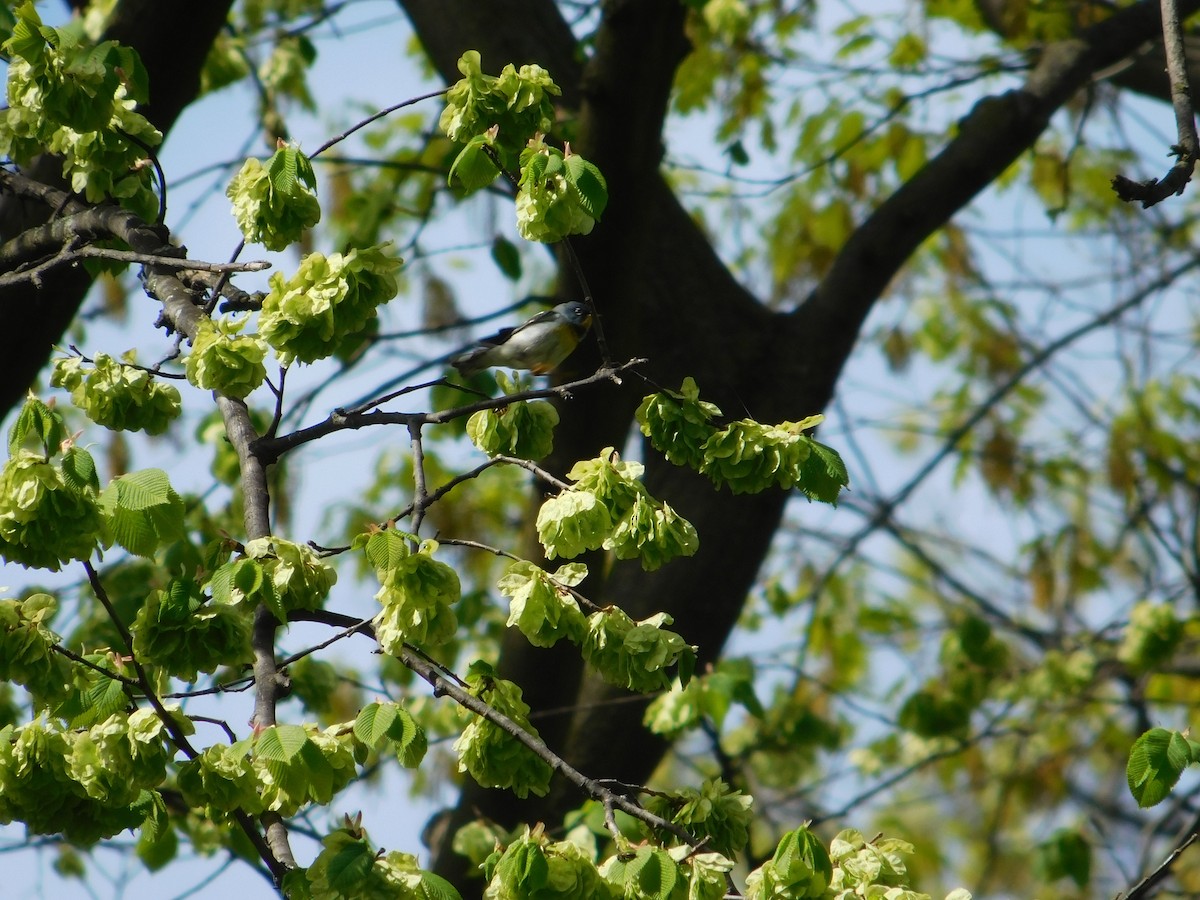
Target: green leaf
823, 474
654, 872
38, 420
473, 166
79, 470
290, 171
1066, 855
678, 423
407, 735
1156, 761
385, 550
276, 203
715, 813
144, 490
507, 258
800, 867
935, 712
349, 866
26, 40
155, 849
43, 521
435, 887
177, 630
417, 597
224, 361
636, 655
589, 183
101, 700
524, 429
571, 523
529, 868
373, 722
492, 756
534, 166
280, 743
542, 608
378, 723
142, 511
116, 395
511, 108
908, 51
297, 577
330, 299
247, 576
557, 197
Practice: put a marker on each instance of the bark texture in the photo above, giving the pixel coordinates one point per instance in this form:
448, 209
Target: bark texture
665, 295
173, 40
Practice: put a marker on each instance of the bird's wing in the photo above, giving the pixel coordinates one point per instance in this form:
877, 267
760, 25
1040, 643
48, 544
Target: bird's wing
494, 340
546, 315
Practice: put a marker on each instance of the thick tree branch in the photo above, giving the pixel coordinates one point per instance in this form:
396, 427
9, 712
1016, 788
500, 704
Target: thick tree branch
162, 280
1140, 71
270, 683
666, 296
183, 312
517, 31
993, 136
173, 41
61, 242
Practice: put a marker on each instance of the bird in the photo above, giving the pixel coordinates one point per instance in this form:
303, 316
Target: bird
538, 344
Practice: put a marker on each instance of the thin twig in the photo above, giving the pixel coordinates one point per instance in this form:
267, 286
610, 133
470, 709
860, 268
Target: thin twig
537, 470
71, 254
362, 626
337, 139
597, 326
447, 488
220, 723
270, 450
496, 551
222, 279
886, 508
372, 403
445, 683
168, 262
86, 663
158, 173
479, 545
420, 490
1143, 887
156, 372
1187, 150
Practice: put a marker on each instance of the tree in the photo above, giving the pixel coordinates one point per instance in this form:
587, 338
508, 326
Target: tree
968, 674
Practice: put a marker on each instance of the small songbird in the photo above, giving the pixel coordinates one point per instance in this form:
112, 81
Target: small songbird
538, 345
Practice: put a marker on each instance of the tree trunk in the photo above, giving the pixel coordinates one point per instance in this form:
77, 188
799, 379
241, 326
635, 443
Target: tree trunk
663, 294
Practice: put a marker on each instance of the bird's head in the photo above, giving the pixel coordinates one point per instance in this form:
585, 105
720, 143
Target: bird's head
576, 313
